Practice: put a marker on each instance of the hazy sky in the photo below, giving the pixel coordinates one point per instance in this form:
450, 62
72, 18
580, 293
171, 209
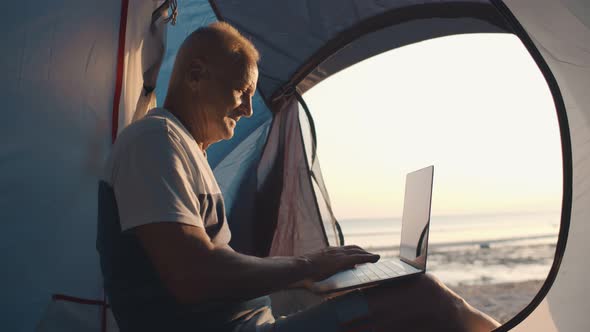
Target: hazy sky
476, 106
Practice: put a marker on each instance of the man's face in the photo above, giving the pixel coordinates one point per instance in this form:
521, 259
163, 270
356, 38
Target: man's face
226, 97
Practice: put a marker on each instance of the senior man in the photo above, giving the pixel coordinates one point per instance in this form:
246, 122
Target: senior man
163, 235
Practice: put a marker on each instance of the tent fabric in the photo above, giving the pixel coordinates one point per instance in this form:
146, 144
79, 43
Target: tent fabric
561, 32
237, 174
298, 224
268, 188
311, 25
141, 53
82, 315
330, 224
288, 221
333, 232
391, 37
290, 205
58, 73
152, 54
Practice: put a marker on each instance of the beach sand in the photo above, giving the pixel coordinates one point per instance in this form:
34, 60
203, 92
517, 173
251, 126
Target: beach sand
500, 301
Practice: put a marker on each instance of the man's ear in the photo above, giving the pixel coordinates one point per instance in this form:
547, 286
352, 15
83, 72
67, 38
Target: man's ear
197, 73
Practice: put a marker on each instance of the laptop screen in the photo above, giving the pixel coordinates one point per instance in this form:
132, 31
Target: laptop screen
416, 217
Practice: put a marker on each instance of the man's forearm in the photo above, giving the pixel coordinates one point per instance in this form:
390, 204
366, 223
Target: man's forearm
197, 271
227, 275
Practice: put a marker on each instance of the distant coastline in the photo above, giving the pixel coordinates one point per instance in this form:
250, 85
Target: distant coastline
460, 215
475, 249
478, 243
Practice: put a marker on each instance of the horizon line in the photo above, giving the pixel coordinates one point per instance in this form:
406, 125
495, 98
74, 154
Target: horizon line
461, 214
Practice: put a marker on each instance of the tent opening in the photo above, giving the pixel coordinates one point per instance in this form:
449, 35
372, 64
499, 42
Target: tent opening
478, 108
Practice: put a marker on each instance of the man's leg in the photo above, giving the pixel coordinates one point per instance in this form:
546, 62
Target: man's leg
346, 313
423, 304
417, 304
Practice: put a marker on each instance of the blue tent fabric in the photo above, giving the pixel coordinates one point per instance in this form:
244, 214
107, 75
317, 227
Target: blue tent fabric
357, 48
316, 29
58, 70
237, 178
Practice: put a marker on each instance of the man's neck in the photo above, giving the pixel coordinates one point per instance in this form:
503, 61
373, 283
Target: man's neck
180, 113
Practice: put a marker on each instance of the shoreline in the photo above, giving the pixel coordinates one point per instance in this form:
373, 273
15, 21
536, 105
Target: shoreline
493, 265
501, 301
481, 243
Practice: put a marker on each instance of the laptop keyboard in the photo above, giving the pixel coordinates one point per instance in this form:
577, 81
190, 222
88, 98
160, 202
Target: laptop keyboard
377, 271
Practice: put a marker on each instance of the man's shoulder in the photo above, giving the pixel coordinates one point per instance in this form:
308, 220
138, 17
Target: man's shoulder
149, 135
158, 135
147, 130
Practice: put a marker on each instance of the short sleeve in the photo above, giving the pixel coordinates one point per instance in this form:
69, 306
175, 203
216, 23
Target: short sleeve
152, 182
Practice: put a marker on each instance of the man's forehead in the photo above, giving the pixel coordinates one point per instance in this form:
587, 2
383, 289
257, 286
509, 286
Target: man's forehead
252, 75
244, 75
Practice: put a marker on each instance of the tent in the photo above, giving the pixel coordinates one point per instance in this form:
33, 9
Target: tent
76, 72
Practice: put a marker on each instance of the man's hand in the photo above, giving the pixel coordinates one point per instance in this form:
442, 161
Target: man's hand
331, 260
196, 271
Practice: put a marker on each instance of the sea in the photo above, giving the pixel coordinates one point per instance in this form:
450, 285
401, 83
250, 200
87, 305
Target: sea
471, 249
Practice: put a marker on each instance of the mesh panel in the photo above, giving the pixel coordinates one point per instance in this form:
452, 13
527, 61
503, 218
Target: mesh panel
319, 187
284, 173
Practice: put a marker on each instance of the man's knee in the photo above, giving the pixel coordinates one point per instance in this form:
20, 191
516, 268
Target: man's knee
422, 299
426, 284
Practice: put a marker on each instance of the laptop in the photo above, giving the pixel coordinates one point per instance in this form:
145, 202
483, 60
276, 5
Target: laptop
413, 242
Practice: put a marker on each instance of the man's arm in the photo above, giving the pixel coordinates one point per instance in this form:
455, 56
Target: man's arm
196, 271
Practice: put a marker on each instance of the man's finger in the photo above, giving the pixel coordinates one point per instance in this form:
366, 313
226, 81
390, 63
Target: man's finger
354, 260
363, 258
357, 251
354, 249
351, 246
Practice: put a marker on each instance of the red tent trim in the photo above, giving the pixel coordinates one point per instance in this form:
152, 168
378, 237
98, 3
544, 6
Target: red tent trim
120, 69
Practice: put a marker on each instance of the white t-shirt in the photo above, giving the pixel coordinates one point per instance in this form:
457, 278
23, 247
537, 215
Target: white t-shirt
159, 174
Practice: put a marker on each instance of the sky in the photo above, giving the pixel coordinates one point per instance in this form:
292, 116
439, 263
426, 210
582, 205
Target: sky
475, 106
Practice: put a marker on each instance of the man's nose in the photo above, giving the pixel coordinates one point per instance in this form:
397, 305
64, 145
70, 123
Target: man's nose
247, 110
